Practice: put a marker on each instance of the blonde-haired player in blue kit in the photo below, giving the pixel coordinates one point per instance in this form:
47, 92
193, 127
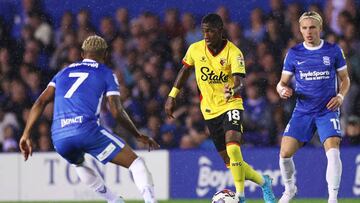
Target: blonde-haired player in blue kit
77, 92
316, 66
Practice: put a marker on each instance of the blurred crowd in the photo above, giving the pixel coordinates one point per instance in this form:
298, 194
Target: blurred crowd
146, 51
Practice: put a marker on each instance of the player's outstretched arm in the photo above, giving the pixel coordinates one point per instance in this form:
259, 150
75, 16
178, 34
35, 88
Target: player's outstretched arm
181, 78
25, 143
118, 112
336, 101
282, 87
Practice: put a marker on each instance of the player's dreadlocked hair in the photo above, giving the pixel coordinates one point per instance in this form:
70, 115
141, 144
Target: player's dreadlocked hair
313, 15
213, 19
94, 43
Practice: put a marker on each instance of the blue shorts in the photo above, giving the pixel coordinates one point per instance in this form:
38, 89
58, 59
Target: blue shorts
303, 126
101, 144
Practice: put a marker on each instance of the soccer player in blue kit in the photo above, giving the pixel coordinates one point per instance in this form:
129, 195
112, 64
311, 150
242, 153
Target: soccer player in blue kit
317, 66
77, 92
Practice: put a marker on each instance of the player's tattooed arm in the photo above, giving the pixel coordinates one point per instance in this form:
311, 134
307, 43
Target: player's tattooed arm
118, 112
25, 142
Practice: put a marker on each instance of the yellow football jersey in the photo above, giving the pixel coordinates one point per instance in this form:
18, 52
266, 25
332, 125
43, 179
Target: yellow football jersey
212, 73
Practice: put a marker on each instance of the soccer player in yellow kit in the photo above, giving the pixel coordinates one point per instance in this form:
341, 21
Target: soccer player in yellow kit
219, 69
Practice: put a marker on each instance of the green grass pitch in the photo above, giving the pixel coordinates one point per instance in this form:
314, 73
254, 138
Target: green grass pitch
204, 201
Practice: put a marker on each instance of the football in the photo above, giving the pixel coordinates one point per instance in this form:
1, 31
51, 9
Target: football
225, 196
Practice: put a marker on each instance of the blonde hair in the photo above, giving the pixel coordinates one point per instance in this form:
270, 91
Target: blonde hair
313, 15
94, 43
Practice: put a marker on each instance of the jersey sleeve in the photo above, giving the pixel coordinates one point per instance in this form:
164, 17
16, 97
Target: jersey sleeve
188, 59
52, 83
112, 84
289, 67
237, 62
340, 62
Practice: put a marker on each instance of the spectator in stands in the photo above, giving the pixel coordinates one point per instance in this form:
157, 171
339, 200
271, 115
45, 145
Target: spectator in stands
35, 55
66, 26
73, 54
33, 85
187, 142
256, 32
84, 25
6, 69
224, 13
275, 38
7, 118
18, 99
352, 131
192, 32
292, 13
177, 46
21, 15
236, 36
60, 54
107, 29
169, 136
122, 21
44, 143
172, 25
10, 141
256, 117
42, 30
277, 11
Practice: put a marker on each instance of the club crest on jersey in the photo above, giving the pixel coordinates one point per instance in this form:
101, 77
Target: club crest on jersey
326, 60
222, 61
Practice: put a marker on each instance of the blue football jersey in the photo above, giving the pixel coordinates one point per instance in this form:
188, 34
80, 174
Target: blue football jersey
315, 71
79, 89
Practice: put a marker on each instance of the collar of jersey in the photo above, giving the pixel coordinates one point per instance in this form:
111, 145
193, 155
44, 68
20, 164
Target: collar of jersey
89, 60
314, 48
213, 54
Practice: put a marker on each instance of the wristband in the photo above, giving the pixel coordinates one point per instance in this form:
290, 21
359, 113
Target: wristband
341, 96
174, 92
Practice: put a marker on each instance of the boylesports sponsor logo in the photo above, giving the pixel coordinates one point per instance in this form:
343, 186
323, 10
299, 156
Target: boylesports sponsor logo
212, 179
68, 121
210, 76
314, 75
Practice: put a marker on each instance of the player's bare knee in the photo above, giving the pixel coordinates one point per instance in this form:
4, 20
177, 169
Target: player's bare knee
285, 153
232, 136
332, 142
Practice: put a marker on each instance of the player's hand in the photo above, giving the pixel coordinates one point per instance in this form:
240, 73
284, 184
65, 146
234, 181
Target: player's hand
169, 107
25, 145
152, 144
334, 103
285, 92
228, 92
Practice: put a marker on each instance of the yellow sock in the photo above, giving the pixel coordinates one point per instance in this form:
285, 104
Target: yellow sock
253, 175
236, 166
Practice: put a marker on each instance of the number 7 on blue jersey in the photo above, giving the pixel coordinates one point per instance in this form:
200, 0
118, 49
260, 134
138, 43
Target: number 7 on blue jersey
81, 78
